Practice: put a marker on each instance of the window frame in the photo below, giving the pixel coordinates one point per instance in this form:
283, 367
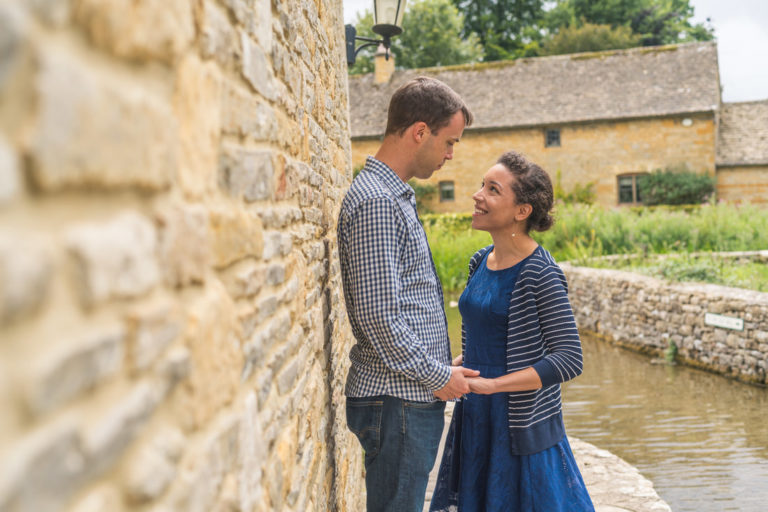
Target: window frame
440, 191
549, 142
635, 191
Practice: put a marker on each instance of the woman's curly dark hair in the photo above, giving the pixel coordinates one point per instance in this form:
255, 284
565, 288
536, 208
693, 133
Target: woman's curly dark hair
531, 186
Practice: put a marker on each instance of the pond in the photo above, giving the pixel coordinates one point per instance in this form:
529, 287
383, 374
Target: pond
700, 438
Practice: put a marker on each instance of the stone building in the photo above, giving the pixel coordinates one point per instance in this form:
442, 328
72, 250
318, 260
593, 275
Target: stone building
170, 175
742, 152
602, 118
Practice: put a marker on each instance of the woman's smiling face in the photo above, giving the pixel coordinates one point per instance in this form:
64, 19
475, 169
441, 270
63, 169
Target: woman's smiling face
495, 202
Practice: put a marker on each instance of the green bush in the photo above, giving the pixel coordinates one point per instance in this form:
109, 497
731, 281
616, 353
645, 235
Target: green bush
675, 187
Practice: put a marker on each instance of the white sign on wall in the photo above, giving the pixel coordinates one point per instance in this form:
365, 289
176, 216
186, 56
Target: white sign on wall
726, 322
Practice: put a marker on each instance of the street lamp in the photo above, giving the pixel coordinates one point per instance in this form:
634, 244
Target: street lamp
387, 22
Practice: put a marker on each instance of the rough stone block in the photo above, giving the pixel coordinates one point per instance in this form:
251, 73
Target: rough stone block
196, 105
43, 469
252, 454
106, 437
152, 328
98, 131
73, 367
256, 69
243, 279
9, 167
103, 497
246, 173
276, 243
26, 270
235, 234
218, 39
116, 259
244, 115
153, 468
55, 13
147, 29
215, 356
184, 244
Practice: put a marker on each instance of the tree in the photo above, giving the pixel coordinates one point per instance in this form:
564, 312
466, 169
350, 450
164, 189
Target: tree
431, 37
655, 21
589, 38
506, 28
675, 186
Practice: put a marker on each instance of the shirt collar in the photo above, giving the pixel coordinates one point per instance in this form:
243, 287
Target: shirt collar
385, 173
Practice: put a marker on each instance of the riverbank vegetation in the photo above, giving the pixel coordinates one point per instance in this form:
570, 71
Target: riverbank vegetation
583, 234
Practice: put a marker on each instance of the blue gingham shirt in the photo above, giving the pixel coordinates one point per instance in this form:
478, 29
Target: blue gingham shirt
393, 296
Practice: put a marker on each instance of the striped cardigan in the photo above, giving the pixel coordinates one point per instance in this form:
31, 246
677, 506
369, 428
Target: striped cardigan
541, 332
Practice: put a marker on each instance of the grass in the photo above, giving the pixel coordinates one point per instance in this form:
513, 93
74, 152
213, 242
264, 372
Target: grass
582, 233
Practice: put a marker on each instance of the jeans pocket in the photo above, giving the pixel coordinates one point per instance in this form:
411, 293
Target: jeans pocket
364, 420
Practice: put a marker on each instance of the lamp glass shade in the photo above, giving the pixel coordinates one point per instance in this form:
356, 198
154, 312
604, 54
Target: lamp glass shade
389, 12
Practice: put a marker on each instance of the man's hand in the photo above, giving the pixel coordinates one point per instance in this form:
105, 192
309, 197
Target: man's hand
457, 385
482, 386
458, 360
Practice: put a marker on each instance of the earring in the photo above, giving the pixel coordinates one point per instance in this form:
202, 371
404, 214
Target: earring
513, 235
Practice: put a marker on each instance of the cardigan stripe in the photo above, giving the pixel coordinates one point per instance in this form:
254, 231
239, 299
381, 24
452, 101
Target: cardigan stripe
541, 333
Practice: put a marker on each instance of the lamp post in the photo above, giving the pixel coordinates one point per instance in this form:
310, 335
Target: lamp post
387, 22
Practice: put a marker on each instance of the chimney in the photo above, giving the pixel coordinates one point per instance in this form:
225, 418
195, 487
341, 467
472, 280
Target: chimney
383, 68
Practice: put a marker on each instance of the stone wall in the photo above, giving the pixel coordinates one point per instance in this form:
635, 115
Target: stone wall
647, 314
590, 152
736, 184
172, 331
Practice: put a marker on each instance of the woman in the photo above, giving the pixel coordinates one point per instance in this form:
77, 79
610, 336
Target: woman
506, 448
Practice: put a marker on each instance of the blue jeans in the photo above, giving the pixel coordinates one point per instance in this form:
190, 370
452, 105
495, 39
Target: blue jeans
400, 439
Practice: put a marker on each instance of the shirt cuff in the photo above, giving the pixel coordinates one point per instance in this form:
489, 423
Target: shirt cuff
437, 377
547, 373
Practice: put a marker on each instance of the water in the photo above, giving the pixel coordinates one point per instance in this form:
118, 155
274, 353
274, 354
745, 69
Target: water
700, 438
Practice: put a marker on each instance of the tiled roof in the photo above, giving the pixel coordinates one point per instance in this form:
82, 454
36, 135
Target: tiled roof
617, 84
743, 134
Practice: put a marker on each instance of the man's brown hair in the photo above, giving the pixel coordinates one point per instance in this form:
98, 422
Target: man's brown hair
424, 99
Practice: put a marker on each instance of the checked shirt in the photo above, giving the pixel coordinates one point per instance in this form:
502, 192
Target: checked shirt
393, 296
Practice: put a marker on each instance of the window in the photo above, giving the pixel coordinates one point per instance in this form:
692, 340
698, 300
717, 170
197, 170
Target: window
629, 192
446, 191
552, 138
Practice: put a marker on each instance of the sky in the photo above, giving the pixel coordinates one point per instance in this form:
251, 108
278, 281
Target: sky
741, 29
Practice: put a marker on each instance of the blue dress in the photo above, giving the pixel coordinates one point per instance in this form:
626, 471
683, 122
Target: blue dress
489, 477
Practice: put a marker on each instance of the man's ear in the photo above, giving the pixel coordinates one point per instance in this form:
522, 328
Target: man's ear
418, 130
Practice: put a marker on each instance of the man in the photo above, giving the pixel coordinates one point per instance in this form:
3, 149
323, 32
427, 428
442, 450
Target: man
400, 375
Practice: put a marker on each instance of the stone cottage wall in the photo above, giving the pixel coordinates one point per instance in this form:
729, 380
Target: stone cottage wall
647, 314
172, 334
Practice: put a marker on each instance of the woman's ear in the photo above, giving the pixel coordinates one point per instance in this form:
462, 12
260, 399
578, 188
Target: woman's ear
523, 211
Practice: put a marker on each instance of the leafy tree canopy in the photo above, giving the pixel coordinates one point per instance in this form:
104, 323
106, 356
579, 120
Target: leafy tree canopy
506, 28
588, 37
656, 22
431, 37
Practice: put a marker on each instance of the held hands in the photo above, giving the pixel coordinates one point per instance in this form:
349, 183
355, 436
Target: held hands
458, 385
477, 384
482, 386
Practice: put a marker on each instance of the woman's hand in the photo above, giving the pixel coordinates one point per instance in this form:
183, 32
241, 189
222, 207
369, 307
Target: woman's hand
458, 360
482, 386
